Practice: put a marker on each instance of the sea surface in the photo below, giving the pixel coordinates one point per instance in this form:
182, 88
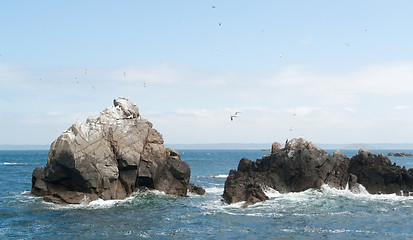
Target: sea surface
313, 214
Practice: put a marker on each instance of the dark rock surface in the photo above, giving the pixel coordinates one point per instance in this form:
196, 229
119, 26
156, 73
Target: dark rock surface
399, 154
301, 165
108, 157
196, 189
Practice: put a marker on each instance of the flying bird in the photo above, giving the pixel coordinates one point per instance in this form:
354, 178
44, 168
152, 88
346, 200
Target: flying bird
234, 116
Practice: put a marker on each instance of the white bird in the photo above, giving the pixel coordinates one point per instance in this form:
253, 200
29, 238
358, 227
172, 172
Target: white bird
234, 116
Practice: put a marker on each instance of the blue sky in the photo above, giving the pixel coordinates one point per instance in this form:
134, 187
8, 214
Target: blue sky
331, 71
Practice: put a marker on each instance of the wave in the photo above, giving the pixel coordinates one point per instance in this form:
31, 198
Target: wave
221, 176
103, 204
214, 190
14, 164
299, 202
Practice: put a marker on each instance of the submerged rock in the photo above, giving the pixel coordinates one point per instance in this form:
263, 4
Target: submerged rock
301, 165
108, 157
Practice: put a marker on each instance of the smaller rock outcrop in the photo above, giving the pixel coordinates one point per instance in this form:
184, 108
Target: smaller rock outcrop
108, 157
301, 165
196, 189
399, 154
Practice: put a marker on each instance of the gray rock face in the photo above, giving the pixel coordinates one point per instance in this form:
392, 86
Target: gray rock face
108, 157
301, 165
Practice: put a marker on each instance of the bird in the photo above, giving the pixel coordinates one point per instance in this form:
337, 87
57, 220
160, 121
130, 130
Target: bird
144, 85
348, 44
219, 24
234, 116
213, 6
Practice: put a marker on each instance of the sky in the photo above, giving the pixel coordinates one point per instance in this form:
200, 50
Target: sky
329, 71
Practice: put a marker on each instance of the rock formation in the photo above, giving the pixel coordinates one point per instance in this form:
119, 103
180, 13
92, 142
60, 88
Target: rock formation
301, 165
108, 157
400, 154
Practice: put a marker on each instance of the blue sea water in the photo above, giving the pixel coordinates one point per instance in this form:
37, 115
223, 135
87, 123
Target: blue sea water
313, 214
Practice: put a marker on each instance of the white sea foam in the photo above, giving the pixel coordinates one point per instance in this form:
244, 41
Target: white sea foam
214, 190
101, 204
221, 176
97, 204
362, 194
13, 163
282, 201
271, 193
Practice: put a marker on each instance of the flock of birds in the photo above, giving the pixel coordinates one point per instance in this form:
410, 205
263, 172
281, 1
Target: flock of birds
235, 115
232, 117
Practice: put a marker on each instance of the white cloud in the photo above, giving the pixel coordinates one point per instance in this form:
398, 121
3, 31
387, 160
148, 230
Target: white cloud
352, 110
198, 113
404, 107
188, 105
301, 111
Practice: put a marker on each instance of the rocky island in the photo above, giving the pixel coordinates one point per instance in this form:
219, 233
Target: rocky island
108, 157
399, 154
301, 165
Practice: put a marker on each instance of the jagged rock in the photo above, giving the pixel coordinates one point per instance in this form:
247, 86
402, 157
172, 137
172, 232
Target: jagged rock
275, 146
378, 175
301, 165
108, 157
196, 189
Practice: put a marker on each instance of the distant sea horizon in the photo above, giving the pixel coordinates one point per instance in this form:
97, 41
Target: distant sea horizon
229, 146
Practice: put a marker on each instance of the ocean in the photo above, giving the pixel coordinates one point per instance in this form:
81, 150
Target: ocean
313, 214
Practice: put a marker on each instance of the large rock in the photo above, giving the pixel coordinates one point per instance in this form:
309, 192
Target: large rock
108, 157
301, 165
